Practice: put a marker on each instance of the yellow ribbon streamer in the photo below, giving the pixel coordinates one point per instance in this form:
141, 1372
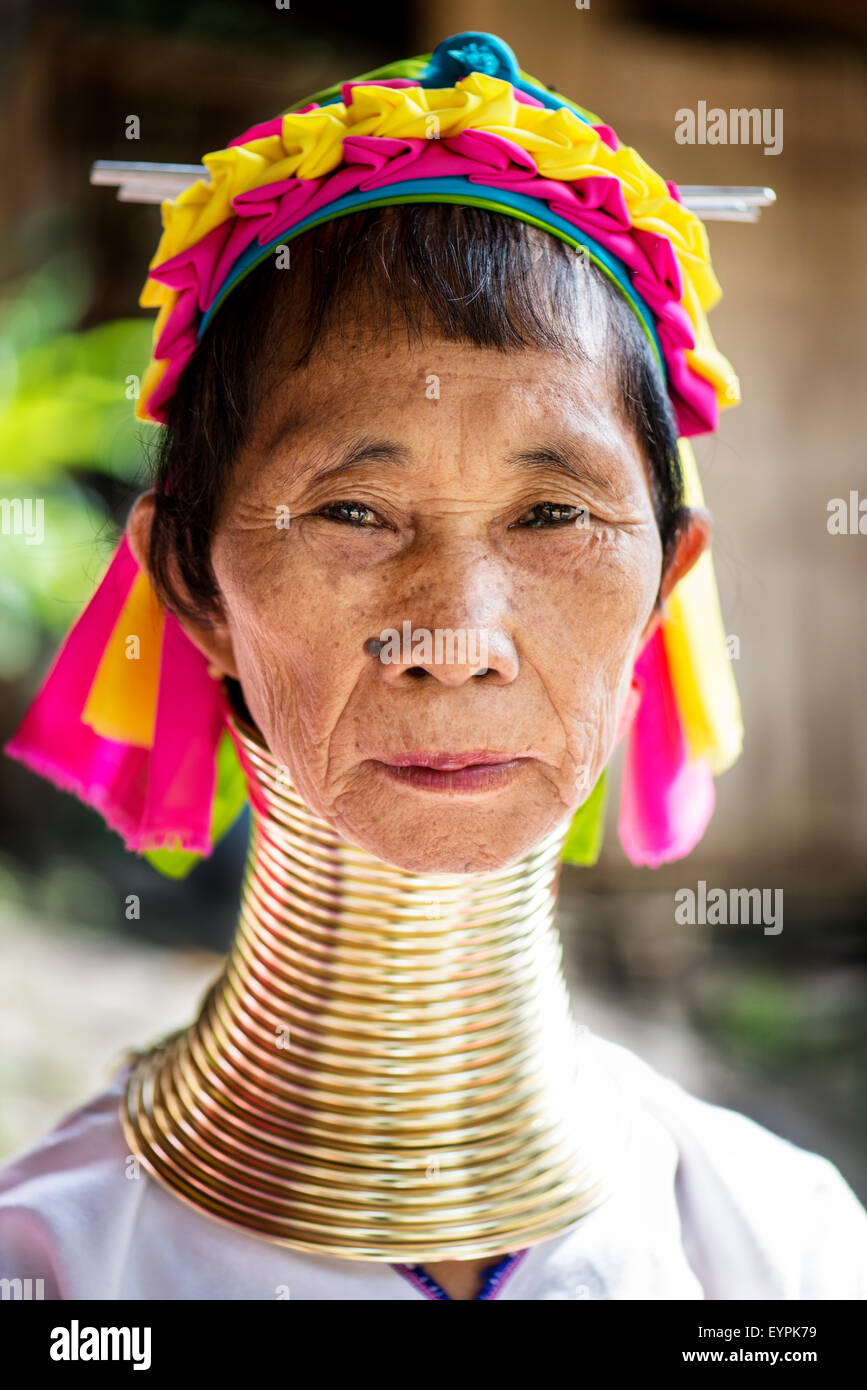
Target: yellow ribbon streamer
122, 703
698, 660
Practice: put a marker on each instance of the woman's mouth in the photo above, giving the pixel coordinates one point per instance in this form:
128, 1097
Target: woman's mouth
453, 772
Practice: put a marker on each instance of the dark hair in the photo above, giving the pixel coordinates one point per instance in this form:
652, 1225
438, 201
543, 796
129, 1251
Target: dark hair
473, 275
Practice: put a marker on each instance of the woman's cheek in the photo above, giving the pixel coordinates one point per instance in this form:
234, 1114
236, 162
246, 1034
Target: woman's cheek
582, 636
591, 611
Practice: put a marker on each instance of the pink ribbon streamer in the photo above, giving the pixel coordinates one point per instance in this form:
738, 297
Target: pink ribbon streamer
149, 796
666, 800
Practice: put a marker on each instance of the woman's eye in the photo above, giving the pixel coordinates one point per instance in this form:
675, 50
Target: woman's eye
352, 513
553, 514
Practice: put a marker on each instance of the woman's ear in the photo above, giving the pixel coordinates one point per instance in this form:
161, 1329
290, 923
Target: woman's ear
693, 532
213, 640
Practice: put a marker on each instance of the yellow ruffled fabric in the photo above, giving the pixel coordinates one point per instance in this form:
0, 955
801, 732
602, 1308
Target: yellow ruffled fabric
310, 145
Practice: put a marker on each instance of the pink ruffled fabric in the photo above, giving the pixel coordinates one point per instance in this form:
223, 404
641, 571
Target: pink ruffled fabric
594, 205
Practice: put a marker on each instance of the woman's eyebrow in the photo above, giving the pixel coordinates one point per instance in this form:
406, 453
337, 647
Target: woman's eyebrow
563, 458
317, 469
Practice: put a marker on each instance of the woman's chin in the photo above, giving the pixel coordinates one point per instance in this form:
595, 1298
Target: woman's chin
441, 843
437, 859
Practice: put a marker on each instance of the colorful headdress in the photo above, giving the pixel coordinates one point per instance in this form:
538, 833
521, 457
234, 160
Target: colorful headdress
128, 717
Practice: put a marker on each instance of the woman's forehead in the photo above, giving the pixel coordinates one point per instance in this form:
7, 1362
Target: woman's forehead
466, 414
437, 382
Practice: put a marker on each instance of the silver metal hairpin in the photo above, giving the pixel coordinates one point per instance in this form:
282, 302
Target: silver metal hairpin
140, 182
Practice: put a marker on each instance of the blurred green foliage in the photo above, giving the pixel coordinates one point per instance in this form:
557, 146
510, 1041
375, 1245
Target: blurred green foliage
66, 409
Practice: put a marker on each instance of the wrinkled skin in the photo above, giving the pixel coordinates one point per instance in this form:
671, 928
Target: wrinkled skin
440, 539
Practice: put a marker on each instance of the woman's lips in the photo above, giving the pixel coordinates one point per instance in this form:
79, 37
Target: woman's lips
453, 772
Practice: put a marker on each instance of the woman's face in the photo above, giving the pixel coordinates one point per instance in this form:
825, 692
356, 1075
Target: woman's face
438, 489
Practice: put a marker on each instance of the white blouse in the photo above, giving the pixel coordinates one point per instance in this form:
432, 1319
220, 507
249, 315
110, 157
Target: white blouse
709, 1206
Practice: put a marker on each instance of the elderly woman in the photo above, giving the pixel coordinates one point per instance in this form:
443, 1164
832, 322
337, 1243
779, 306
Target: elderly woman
424, 541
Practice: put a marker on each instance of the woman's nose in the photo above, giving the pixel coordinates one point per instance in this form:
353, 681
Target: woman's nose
451, 656
450, 610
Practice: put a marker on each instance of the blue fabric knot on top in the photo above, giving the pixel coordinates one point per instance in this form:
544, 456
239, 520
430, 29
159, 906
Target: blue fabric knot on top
454, 58
474, 51
474, 58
